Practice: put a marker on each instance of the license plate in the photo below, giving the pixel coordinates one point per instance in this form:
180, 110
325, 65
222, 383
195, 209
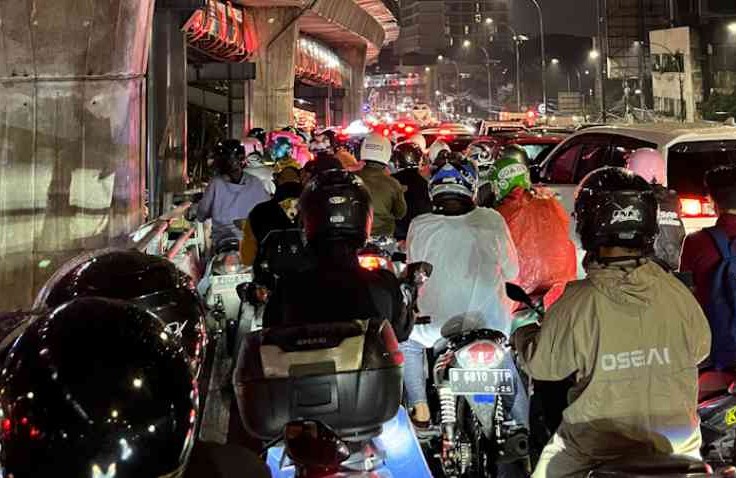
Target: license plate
226, 282
494, 381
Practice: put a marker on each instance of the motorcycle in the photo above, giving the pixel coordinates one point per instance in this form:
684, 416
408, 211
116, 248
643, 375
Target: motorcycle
472, 390
331, 393
717, 411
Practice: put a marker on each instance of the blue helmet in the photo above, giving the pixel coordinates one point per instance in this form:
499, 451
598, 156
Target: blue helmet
281, 148
457, 177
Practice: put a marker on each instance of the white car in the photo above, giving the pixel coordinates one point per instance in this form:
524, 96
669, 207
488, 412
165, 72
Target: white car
688, 154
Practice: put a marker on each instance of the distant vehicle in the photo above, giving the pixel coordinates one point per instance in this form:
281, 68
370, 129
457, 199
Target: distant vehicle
488, 128
688, 154
457, 136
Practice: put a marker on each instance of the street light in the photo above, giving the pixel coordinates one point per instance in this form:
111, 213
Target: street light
555, 61
732, 27
544, 59
440, 57
489, 20
466, 43
518, 40
427, 69
457, 70
594, 54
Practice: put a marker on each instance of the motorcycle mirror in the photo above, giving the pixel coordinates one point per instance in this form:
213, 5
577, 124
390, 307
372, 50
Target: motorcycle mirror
242, 290
312, 443
517, 294
419, 272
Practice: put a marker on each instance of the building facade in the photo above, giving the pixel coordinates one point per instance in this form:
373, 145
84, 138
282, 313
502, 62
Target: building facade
677, 75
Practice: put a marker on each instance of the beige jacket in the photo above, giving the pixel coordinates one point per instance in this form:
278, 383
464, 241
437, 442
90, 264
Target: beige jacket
633, 336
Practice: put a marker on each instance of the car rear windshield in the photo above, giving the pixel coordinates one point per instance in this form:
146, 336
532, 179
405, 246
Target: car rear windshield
687, 164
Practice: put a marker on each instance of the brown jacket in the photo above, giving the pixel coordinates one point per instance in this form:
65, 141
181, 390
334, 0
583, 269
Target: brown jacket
387, 194
633, 336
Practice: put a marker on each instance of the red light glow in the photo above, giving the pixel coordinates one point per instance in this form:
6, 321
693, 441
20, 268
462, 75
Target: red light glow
409, 129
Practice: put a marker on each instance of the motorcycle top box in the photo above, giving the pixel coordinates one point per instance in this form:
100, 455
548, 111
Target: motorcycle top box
347, 375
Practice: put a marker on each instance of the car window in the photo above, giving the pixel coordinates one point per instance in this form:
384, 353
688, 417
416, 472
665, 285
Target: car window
622, 147
687, 164
593, 156
537, 152
560, 169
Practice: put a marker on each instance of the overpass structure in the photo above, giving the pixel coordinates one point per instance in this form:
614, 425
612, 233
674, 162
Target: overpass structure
94, 96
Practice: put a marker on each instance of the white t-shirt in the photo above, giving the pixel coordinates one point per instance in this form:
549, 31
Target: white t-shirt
473, 256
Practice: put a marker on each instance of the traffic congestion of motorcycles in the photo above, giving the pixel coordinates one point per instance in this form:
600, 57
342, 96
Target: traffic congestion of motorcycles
391, 300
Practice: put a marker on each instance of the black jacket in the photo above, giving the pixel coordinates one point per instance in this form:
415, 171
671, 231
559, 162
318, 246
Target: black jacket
335, 291
417, 199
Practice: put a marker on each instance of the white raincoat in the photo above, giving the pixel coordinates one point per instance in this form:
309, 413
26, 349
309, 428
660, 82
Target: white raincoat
473, 257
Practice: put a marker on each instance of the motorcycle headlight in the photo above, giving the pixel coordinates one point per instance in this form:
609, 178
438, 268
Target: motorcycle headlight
227, 263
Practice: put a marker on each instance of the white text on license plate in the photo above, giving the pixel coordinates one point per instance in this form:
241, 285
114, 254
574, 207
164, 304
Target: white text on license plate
478, 381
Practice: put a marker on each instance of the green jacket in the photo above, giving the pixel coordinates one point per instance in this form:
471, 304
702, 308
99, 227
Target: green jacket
633, 336
388, 199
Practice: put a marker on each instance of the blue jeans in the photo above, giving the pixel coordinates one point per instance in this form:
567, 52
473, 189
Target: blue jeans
414, 380
416, 387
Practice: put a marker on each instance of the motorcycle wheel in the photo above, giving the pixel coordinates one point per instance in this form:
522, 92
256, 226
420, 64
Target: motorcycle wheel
481, 448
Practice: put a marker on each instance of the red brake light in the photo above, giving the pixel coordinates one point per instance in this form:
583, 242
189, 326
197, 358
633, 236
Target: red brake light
483, 353
697, 207
401, 125
409, 129
386, 131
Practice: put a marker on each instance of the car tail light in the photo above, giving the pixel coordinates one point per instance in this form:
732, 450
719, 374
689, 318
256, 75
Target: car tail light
409, 129
401, 125
445, 132
386, 131
697, 207
480, 354
374, 262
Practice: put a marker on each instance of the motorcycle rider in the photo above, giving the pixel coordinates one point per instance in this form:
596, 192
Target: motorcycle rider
131, 406
436, 150
538, 223
481, 152
407, 158
630, 333
336, 214
279, 213
259, 134
473, 256
230, 195
702, 257
254, 163
281, 149
387, 193
649, 164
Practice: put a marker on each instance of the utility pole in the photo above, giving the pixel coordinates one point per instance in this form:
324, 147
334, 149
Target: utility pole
544, 58
602, 11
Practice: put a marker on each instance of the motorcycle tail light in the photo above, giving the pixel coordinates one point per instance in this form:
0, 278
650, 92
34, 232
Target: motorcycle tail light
374, 262
480, 354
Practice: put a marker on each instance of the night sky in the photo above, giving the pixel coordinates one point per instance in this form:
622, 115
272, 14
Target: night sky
557, 16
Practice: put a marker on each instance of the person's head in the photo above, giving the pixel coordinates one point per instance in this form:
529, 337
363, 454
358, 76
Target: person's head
252, 146
406, 155
320, 144
616, 212
230, 159
97, 388
454, 185
259, 134
721, 185
336, 209
435, 149
321, 163
281, 148
149, 281
481, 153
647, 163
510, 171
419, 140
376, 150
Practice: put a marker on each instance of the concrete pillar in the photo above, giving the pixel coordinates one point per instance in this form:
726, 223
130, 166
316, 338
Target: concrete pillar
353, 101
168, 127
71, 113
273, 88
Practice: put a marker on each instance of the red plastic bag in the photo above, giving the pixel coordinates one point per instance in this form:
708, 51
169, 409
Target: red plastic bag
539, 226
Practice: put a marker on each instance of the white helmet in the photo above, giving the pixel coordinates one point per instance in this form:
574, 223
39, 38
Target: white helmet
252, 145
647, 163
419, 140
376, 148
435, 149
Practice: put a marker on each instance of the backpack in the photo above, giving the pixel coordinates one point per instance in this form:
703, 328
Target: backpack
721, 308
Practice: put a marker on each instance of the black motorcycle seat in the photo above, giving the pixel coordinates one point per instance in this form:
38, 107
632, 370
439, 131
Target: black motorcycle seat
660, 465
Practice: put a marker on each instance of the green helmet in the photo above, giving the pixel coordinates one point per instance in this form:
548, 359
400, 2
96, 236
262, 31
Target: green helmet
510, 171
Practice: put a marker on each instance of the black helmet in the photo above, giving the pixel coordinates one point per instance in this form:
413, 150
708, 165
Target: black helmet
258, 133
96, 388
406, 155
615, 207
230, 148
149, 281
336, 206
